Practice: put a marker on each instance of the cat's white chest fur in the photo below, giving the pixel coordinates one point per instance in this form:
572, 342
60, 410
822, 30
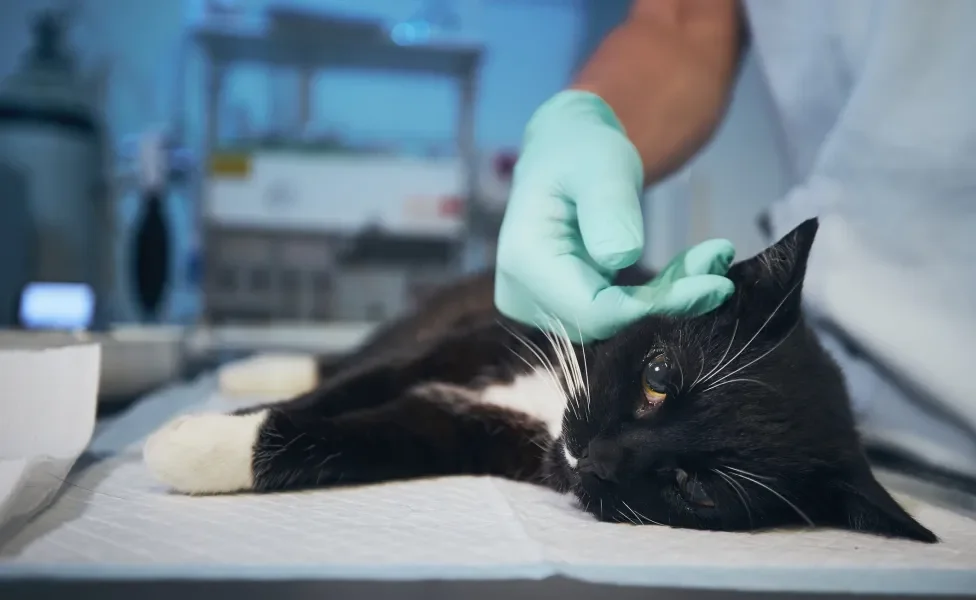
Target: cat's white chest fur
535, 394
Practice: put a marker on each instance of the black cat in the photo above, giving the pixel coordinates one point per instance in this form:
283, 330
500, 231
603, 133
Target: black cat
734, 420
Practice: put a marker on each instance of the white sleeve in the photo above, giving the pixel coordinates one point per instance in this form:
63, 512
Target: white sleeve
912, 110
894, 182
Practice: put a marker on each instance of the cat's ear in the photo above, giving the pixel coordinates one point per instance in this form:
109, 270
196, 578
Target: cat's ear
773, 279
862, 504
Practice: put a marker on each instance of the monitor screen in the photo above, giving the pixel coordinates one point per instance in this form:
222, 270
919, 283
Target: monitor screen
46, 305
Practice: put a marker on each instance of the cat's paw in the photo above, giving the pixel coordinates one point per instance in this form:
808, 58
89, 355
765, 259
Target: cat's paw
205, 453
270, 376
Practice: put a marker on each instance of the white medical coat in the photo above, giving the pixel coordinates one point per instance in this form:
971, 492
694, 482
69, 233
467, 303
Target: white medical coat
877, 100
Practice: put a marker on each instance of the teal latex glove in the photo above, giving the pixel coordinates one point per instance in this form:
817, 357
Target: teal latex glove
574, 219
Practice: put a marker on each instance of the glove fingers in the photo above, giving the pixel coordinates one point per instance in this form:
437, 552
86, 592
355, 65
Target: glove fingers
563, 292
612, 225
612, 308
689, 296
711, 257
607, 196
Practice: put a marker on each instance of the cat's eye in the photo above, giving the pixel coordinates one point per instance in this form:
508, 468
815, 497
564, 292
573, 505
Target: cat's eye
691, 489
655, 380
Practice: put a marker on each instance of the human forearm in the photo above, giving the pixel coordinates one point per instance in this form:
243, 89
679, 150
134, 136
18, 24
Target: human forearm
667, 73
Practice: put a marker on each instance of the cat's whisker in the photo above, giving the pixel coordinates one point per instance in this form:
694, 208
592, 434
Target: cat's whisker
799, 512
571, 354
744, 472
582, 387
327, 459
556, 351
544, 363
628, 519
567, 358
535, 350
752, 362
560, 358
718, 365
736, 487
720, 383
760, 330
700, 369
568, 377
529, 344
681, 370
745, 493
586, 370
520, 357
571, 349
639, 516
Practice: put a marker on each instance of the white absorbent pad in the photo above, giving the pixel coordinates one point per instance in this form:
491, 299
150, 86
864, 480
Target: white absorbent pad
114, 520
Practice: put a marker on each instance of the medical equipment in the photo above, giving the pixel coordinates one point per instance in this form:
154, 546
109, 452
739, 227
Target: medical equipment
272, 247
51, 146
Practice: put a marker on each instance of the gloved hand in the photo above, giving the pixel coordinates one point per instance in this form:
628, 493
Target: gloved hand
574, 219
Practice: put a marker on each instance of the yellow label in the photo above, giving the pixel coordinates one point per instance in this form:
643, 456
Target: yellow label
230, 165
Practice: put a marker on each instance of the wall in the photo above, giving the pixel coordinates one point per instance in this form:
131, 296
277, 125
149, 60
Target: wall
531, 49
727, 185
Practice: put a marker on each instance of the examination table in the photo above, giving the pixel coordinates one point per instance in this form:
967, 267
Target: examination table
113, 530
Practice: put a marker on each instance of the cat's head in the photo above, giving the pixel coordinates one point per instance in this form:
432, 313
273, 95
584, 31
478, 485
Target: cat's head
734, 420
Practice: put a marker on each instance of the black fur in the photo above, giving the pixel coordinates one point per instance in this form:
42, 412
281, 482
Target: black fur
756, 430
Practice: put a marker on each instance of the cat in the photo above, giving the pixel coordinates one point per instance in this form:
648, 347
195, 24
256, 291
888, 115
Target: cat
734, 420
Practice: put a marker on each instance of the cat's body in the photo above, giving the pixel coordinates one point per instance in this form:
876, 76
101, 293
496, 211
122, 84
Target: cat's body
734, 420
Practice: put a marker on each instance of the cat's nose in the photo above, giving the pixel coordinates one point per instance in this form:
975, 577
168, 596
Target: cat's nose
590, 468
597, 461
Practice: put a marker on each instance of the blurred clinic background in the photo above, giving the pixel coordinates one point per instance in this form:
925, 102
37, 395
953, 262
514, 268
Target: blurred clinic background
242, 175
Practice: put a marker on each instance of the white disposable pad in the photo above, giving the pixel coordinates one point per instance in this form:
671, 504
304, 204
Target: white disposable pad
113, 520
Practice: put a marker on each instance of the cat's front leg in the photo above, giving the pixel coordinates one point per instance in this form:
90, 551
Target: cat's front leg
434, 429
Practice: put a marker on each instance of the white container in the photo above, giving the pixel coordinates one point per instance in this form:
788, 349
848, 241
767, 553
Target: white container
47, 417
133, 359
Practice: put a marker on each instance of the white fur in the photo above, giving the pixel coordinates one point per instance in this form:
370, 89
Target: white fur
534, 394
269, 375
213, 453
572, 460
286, 375
205, 453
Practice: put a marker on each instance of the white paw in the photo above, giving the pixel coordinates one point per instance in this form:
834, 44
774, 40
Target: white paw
279, 376
205, 453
